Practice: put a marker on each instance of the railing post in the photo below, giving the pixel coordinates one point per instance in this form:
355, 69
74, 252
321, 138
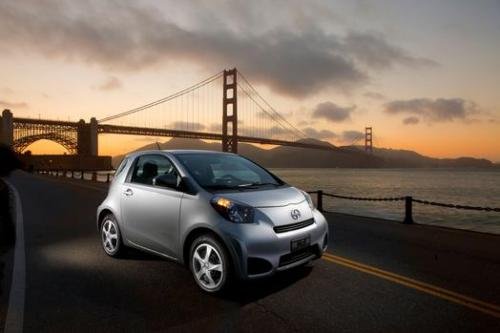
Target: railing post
94, 176
408, 210
319, 201
107, 178
81, 175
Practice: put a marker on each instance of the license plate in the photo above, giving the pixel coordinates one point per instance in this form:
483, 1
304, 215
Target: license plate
298, 244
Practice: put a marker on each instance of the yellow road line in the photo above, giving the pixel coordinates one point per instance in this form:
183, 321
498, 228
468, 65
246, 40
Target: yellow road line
472, 303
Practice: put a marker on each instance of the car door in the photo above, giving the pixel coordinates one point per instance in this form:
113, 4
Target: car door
151, 212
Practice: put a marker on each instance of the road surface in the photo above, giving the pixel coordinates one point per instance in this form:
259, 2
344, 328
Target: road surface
378, 277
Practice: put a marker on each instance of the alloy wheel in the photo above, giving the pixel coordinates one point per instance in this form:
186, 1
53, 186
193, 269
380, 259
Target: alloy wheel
109, 235
208, 267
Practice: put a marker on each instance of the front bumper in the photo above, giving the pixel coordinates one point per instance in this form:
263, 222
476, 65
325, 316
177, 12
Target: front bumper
259, 251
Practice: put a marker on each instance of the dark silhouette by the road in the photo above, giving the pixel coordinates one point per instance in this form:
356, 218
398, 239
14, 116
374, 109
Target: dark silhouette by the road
8, 163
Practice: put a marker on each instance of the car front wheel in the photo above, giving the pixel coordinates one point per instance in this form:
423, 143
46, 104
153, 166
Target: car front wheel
209, 264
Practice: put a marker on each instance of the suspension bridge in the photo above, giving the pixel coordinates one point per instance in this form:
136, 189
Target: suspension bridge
224, 107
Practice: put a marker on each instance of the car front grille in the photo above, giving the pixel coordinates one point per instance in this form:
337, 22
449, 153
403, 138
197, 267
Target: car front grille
292, 257
293, 226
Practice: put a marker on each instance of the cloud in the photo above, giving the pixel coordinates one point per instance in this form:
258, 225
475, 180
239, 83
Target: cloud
351, 136
13, 105
374, 95
411, 120
306, 123
275, 132
182, 125
434, 110
319, 134
293, 62
345, 137
332, 112
374, 50
111, 83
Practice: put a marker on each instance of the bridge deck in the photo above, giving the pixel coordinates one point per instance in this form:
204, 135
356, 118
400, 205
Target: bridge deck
71, 285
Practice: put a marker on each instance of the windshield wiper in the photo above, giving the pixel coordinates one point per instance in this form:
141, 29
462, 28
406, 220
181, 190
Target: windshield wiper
238, 187
257, 184
222, 187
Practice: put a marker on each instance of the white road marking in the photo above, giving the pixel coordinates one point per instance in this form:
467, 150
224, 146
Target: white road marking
15, 310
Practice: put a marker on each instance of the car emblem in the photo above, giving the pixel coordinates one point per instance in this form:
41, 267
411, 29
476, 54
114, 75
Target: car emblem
295, 213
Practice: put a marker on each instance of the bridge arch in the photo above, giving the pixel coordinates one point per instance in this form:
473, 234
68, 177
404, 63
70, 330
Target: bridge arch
68, 142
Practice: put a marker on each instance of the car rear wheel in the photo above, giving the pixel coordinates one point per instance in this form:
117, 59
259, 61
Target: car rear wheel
111, 237
209, 264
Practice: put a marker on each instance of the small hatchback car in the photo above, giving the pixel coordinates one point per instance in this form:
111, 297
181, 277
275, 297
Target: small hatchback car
219, 213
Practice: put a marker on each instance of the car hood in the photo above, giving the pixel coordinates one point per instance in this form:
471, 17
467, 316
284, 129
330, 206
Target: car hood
267, 197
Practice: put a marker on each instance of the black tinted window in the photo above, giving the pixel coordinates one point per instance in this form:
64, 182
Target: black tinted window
225, 171
148, 167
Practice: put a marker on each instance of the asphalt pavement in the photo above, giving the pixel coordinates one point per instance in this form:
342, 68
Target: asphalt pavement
379, 276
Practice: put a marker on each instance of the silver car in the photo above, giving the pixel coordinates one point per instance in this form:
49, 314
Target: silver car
219, 213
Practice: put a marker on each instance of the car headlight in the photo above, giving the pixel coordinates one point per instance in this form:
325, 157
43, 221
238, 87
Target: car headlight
309, 199
233, 211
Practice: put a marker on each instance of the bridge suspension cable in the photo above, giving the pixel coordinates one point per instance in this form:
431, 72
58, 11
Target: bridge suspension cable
163, 100
271, 111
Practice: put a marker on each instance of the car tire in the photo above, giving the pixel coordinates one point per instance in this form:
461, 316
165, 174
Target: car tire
210, 264
111, 239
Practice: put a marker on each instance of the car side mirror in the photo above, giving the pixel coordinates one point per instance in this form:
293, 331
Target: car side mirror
168, 180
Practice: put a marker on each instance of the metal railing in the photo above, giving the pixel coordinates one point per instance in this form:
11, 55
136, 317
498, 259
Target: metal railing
75, 174
409, 200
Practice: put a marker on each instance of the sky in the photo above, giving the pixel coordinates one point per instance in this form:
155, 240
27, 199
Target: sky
424, 75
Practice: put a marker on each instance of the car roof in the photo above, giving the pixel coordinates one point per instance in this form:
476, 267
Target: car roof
175, 152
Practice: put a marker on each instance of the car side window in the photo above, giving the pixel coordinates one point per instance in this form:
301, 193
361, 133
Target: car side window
148, 167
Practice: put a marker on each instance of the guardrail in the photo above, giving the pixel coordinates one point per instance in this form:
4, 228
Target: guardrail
74, 174
409, 200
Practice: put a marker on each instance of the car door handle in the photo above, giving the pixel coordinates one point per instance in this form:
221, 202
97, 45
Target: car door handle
128, 192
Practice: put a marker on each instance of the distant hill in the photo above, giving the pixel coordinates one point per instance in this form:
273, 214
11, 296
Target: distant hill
400, 158
338, 157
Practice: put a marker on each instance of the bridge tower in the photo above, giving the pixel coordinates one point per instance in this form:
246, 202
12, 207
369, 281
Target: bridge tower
87, 137
7, 128
230, 112
368, 140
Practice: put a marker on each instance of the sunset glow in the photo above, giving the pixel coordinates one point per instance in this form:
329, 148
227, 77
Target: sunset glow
330, 67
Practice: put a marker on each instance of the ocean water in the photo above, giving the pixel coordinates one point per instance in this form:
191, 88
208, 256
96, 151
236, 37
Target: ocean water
465, 187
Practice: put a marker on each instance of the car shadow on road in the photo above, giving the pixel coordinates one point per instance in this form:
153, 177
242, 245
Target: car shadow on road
244, 292
241, 292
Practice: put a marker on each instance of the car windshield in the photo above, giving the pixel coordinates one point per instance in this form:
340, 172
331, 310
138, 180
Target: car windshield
225, 171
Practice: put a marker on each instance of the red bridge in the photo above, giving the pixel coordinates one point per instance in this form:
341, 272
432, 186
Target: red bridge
191, 113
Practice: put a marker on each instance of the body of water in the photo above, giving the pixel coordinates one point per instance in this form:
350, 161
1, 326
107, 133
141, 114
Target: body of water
465, 187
